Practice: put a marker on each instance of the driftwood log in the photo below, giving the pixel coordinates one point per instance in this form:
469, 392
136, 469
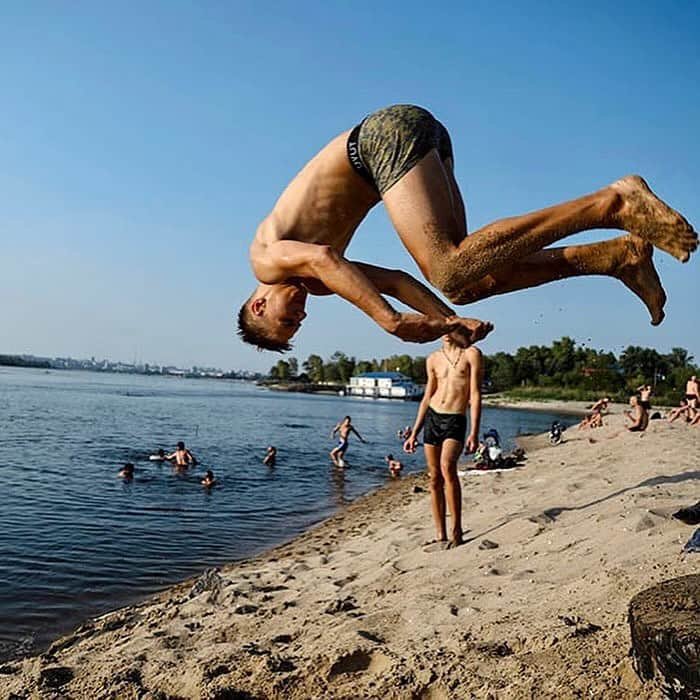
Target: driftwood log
665, 629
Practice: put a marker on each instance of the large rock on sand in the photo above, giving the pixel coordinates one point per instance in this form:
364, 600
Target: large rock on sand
665, 628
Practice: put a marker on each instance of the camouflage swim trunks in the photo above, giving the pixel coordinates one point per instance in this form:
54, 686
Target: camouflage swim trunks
389, 142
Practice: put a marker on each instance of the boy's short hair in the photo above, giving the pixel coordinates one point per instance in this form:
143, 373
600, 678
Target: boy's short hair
251, 331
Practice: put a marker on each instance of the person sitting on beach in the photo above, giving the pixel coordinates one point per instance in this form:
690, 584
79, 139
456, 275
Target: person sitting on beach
270, 457
645, 396
683, 409
600, 405
592, 420
208, 481
343, 428
127, 472
638, 416
394, 465
692, 392
402, 156
182, 456
454, 384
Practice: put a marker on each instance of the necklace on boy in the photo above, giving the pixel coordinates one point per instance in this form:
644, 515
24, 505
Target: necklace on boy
447, 357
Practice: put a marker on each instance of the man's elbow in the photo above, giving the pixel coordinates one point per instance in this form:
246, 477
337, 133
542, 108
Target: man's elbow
325, 257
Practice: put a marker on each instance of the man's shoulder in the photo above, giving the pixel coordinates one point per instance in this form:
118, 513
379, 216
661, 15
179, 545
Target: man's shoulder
473, 353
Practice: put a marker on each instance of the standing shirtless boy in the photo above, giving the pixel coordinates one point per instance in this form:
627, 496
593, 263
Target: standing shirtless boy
344, 428
454, 383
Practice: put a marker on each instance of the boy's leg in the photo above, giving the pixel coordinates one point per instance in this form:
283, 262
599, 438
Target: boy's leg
627, 258
451, 450
437, 490
421, 207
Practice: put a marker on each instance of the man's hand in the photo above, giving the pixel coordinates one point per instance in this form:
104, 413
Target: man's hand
472, 444
418, 328
467, 331
410, 444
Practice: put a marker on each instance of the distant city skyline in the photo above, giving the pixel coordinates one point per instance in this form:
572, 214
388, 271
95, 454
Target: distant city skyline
142, 147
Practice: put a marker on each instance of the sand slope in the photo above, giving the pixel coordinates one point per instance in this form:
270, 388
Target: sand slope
357, 608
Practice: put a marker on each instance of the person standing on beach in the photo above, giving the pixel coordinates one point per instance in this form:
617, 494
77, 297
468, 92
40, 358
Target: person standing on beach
645, 396
343, 428
692, 392
402, 155
454, 383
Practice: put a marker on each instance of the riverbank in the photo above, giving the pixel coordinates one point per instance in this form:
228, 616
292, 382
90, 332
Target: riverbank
567, 408
358, 608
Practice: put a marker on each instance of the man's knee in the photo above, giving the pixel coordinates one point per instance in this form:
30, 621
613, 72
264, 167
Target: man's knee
458, 288
449, 471
436, 481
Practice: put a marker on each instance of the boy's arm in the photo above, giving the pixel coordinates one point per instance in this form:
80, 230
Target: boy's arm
475, 379
408, 290
284, 260
430, 388
358, 434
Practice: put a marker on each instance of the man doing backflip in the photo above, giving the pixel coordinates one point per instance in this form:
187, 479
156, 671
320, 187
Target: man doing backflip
454, 383
403, 156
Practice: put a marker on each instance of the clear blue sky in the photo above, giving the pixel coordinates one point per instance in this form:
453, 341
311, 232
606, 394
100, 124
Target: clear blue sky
141, 143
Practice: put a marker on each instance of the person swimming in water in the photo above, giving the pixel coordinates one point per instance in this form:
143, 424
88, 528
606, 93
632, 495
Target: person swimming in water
394, 465
270, 456
159, 457
208, 481
127, 472
182, 456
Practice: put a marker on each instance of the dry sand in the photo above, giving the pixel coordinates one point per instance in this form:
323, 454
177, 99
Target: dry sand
357, 609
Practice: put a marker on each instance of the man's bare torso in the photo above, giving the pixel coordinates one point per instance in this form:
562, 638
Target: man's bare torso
323, 204
452, 372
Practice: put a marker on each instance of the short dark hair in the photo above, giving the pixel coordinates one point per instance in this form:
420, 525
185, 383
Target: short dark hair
253, 332
180, 445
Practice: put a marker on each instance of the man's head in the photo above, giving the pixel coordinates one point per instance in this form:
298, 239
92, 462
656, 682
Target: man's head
181, 445
633, 401
271, 315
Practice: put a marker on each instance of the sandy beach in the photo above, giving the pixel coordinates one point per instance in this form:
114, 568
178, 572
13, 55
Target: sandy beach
357, 608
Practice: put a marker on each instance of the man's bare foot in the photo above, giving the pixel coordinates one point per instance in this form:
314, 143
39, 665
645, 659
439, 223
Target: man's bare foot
467, 331
436, 546
647, 216
456, 541
638, 273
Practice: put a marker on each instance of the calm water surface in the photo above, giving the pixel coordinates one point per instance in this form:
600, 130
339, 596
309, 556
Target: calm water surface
76, 541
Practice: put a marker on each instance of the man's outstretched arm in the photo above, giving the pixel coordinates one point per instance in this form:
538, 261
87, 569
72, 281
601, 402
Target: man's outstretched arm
288, 259
408, 290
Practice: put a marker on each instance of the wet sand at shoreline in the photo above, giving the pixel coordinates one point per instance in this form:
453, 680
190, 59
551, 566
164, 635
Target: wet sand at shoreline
357, 609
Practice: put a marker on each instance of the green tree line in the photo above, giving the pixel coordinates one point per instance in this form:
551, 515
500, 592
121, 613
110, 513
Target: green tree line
563, 368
